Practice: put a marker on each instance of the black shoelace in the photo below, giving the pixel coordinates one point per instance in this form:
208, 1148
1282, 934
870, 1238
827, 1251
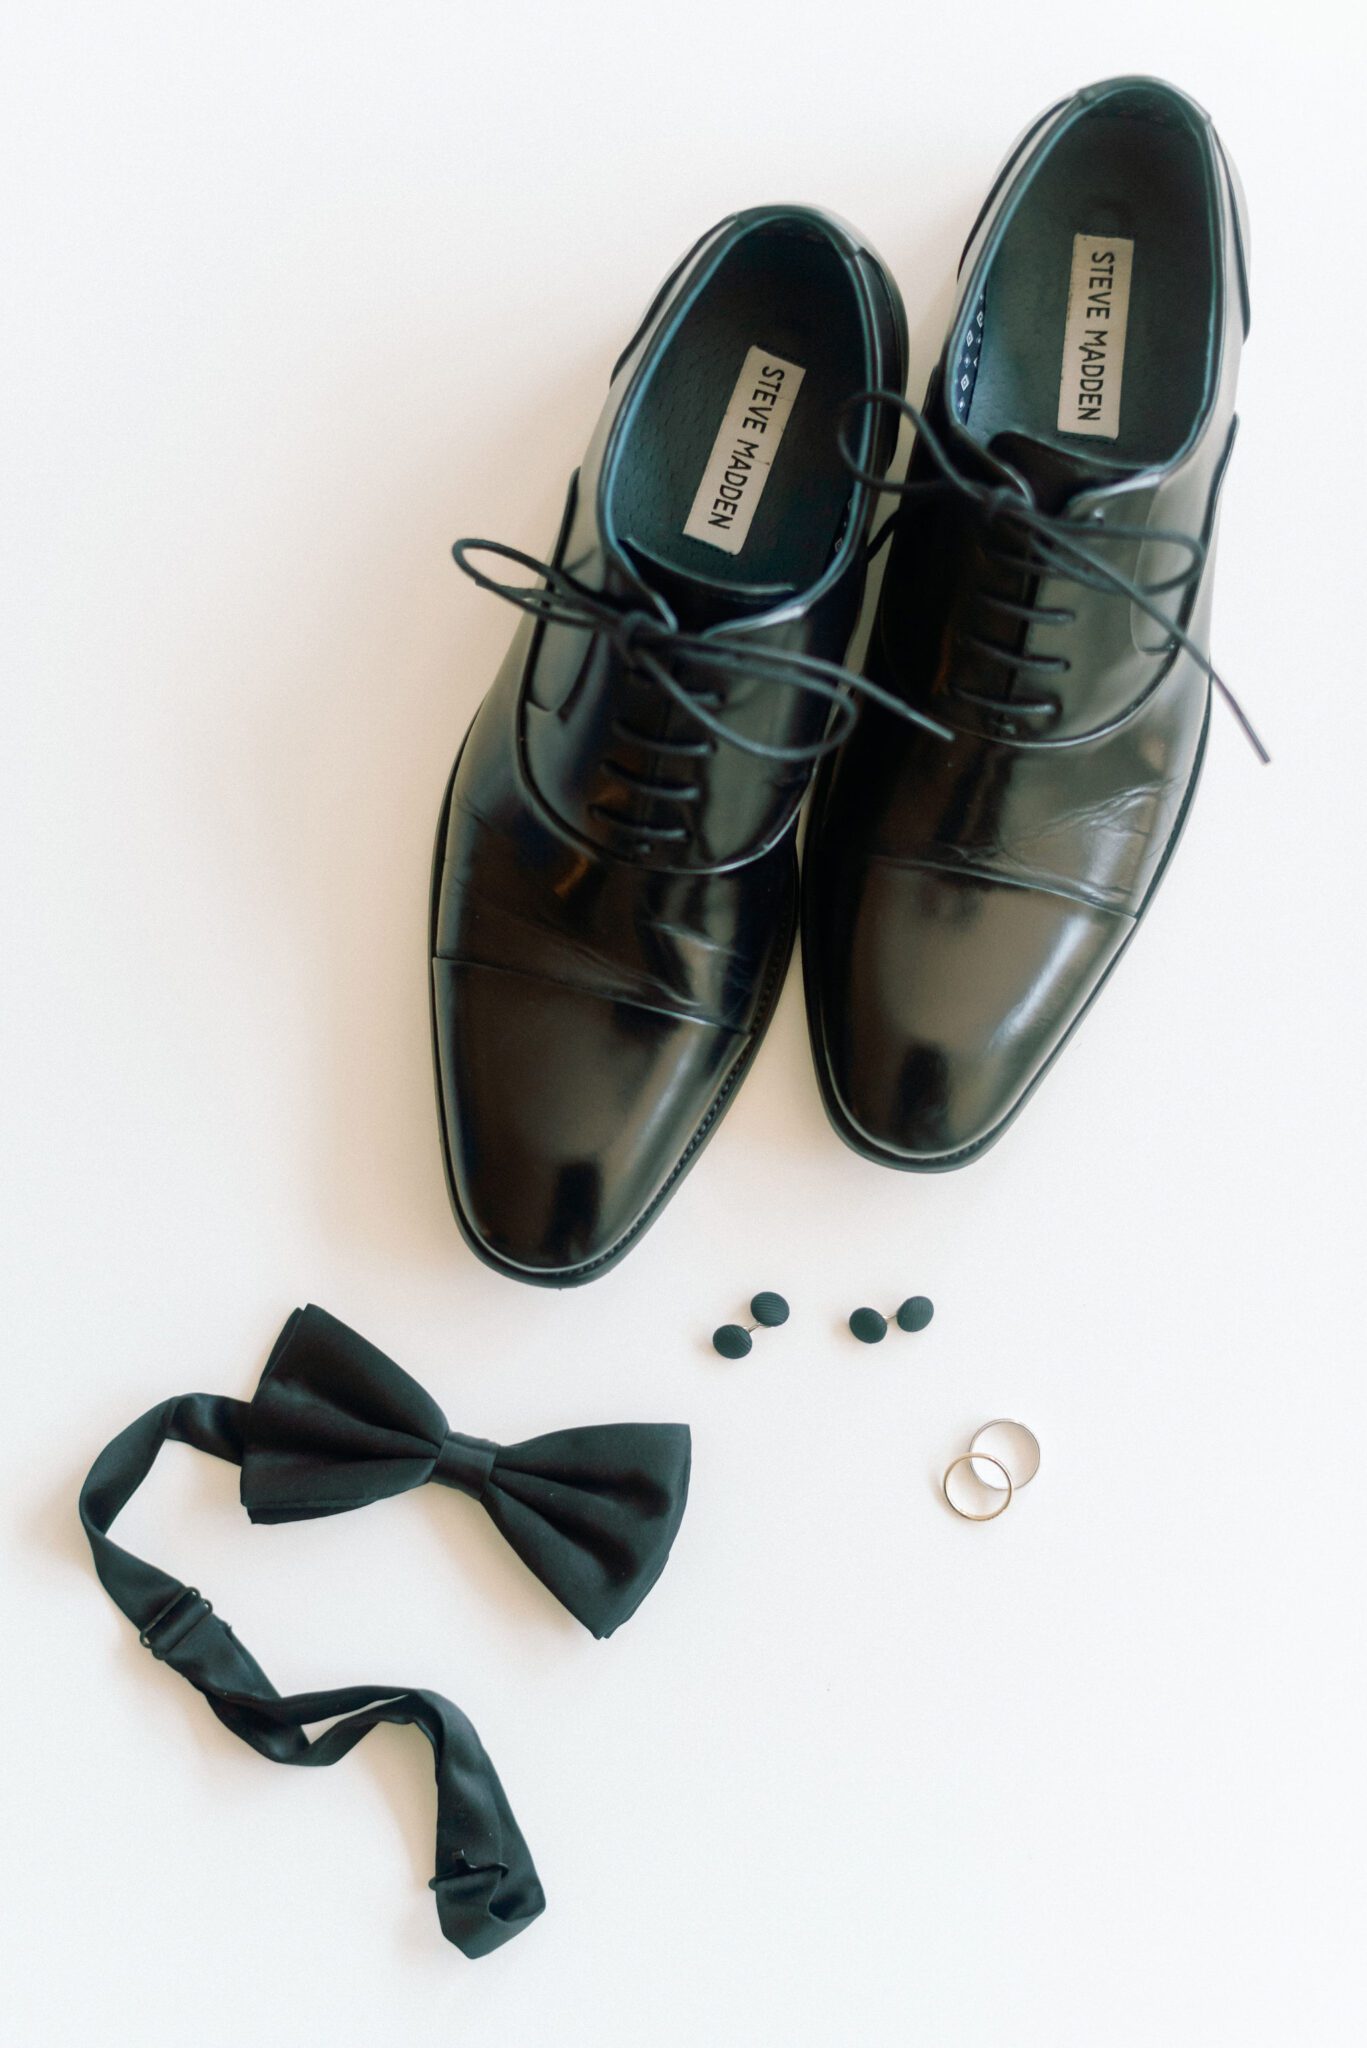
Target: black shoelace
1018, 535
652, 647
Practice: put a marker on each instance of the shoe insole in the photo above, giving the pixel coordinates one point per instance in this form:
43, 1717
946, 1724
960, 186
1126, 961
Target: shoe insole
1117, 219
730, 473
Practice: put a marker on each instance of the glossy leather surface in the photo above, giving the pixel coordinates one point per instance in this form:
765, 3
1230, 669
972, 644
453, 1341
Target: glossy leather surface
963, 903
597, 996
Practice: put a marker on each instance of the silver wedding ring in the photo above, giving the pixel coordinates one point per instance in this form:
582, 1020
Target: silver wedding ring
1009, 1444
981, 1483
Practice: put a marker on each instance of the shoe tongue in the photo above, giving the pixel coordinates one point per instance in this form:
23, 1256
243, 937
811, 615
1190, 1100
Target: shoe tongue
1055, 474
696, 601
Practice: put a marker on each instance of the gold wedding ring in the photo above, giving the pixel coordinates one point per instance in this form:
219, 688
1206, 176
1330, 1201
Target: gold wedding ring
1002, 1486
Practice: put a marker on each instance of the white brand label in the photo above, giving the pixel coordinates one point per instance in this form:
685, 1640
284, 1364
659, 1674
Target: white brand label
743, 452
1094, 336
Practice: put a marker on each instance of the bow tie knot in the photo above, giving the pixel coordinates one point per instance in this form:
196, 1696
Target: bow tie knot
465, 1462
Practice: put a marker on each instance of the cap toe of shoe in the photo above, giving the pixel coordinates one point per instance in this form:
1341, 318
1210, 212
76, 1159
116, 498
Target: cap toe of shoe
943, 998
567, 1115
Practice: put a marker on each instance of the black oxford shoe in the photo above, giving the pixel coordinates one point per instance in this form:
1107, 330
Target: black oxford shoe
615, 883
1047, 595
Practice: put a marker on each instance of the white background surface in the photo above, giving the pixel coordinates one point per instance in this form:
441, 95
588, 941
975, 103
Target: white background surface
295, 295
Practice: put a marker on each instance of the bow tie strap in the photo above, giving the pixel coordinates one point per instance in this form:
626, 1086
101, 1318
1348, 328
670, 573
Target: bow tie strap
486, 1886
336, 1425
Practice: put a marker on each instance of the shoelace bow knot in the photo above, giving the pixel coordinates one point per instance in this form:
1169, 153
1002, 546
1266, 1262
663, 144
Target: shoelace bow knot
1053, 544
652, 646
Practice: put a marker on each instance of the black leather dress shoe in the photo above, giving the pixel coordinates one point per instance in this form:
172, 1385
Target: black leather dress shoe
615, 884
1047, 595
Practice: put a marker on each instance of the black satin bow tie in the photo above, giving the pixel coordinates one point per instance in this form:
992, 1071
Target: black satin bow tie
335, 1425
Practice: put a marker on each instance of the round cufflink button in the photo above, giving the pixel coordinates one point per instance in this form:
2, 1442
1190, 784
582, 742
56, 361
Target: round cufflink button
868, 1326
